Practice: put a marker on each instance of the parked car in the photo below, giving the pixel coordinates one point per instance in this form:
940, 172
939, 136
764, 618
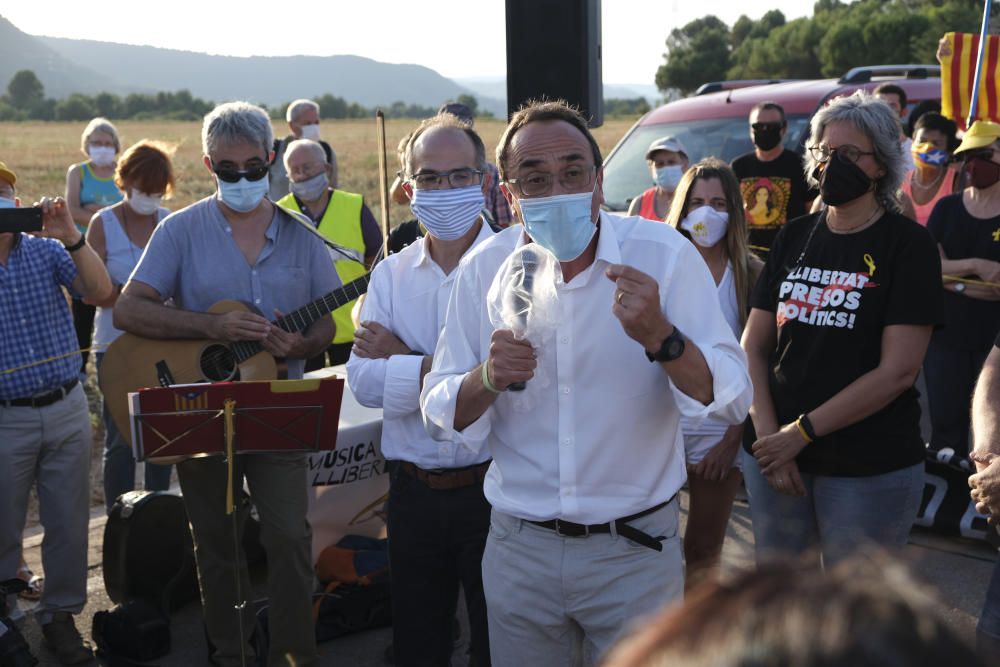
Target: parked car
715, 124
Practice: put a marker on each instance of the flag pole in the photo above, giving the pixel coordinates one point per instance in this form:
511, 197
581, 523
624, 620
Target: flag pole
983, 34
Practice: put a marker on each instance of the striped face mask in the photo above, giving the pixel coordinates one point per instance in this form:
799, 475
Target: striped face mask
448, 214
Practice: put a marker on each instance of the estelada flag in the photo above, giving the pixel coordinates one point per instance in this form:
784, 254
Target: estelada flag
958, 72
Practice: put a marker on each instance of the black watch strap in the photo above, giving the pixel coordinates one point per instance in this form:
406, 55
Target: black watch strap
672, 348
79, 244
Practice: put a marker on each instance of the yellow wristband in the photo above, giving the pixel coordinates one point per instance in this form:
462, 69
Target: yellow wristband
486, 379
802, 430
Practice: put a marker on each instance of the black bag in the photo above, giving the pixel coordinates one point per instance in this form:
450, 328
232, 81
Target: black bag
136, 631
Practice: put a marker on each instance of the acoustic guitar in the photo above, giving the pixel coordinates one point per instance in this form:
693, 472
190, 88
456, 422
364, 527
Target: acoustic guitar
132, 362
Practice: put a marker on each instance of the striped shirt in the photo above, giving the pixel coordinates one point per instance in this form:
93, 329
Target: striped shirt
35, 322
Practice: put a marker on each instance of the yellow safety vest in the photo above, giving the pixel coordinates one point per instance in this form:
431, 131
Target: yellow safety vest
341, 224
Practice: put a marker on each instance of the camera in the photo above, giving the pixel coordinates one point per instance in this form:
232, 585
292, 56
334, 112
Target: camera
28, 219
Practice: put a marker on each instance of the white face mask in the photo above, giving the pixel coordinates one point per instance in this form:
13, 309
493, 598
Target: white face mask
102, 156
142, 203
706, 225
311, 131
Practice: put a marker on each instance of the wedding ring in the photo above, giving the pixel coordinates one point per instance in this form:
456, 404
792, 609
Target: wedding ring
619, 298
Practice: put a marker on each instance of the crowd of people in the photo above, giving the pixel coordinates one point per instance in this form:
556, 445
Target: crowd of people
550, 376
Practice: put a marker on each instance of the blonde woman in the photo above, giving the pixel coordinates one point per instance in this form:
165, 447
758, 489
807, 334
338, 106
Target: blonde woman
708, 209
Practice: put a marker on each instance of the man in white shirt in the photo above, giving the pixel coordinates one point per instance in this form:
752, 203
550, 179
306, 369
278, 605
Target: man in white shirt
438, 518
588, 459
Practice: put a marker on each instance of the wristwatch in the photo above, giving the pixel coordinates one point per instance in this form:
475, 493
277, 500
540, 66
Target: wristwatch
671, 348
959, 287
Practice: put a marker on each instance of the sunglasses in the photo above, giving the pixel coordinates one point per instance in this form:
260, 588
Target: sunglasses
231, 175
776, 125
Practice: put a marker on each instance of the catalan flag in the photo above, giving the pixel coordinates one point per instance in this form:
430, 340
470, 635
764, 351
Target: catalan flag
958, 71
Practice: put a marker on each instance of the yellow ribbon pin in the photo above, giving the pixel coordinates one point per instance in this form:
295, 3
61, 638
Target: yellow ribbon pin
871, 264
996, 234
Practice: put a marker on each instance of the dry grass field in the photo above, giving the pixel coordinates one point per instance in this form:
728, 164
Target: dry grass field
40, 153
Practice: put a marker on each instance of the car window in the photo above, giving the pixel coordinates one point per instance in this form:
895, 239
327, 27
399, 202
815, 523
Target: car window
626, 172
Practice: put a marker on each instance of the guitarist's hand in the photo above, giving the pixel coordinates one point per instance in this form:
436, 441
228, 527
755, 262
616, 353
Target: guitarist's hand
237, 325
374, 341
285, 344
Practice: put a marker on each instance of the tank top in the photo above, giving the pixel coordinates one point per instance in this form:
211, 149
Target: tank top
122, 256
923, 211
647, 208
731, 311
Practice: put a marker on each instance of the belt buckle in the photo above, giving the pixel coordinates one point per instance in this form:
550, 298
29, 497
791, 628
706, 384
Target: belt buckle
560, 533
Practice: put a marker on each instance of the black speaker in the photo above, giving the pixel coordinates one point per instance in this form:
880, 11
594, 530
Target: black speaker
554, 52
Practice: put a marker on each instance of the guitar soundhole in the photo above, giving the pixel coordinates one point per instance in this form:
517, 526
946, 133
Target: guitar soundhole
218, 363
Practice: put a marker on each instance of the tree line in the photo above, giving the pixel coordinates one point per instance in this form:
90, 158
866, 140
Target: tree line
838, 36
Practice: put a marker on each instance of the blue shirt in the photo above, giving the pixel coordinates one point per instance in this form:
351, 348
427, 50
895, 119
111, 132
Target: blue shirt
35, 322
193, 259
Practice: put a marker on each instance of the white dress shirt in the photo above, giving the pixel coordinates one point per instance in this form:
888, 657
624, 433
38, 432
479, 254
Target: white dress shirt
408, 295
595, 435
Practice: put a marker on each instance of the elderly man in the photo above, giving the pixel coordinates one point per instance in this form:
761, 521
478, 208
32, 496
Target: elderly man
771, 179
438, 517
668, 160
588, 458
985, 485
45, 434
303, 121
236, 244
344, 219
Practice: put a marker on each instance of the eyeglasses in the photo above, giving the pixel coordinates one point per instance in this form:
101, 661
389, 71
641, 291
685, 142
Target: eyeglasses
435, 180
230, 175
846, 153
575, 178
760, 127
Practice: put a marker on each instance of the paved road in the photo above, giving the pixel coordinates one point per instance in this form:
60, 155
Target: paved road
957, 571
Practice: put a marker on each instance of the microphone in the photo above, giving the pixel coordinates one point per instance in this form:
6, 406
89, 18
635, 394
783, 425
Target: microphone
525, 264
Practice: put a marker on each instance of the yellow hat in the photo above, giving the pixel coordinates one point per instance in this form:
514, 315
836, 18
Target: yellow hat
7, 175
980, 135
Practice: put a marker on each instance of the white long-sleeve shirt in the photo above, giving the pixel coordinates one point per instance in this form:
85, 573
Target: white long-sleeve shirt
595, 436
408, 295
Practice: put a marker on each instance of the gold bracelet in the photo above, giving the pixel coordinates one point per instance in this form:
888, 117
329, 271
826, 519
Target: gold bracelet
802, 430
486, 379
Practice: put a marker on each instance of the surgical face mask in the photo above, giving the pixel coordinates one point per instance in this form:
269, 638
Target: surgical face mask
310, 131
7, 203
102, 156
142, 203
983, 173
706, 225
667, 177
311, 189
562, 224
841, 181
242, 196
448, 214
928, 156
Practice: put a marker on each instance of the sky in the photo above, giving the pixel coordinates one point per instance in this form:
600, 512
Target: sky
462, 40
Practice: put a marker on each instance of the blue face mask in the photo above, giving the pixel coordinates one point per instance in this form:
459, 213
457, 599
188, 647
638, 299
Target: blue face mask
448, 214
669, 176
562, 224
243, 195
7, 203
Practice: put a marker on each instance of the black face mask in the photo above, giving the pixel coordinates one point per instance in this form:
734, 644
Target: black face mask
767, 138
982, 173
841, 182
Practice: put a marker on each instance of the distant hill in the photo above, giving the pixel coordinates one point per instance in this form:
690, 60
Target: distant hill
496, 87
70, 65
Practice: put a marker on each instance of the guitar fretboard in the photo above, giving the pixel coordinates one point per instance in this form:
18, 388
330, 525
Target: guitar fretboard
298, 320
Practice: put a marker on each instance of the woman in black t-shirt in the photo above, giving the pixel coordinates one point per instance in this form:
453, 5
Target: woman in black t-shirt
966, 227
840, 322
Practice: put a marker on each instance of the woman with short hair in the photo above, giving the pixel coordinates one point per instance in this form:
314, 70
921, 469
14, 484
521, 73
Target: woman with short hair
118, 234
933, 142
708, 210
839, 325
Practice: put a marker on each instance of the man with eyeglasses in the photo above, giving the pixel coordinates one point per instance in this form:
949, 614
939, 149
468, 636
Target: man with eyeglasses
343, 218
236, 244
438, 517
588, 458
771, 179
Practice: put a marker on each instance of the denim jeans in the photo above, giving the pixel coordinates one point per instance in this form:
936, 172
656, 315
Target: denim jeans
119, 463
837, 515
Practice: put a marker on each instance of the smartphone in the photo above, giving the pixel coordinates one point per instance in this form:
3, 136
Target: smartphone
28, 219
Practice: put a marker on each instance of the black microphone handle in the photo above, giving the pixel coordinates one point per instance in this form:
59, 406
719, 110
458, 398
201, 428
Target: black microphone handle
516, 386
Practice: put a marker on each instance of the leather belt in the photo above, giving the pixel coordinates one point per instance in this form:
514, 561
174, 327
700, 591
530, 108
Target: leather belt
447, 479
41, 400
570, 529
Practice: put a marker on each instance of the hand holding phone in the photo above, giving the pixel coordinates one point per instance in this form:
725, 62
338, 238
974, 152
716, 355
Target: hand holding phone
28, 219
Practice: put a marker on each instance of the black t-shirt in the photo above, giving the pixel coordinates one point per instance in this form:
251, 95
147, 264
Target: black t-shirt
970, 323
773, 193
831, 308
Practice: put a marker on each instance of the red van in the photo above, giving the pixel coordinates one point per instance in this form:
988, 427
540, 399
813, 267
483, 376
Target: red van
717, 123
